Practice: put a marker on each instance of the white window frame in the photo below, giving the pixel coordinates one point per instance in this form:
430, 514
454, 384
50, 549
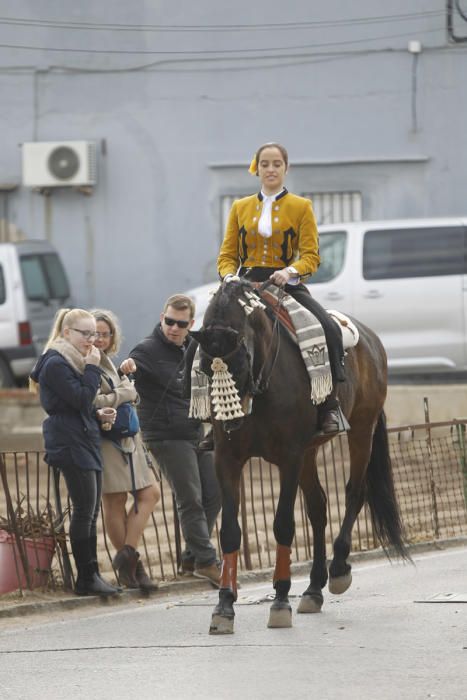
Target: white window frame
329, 207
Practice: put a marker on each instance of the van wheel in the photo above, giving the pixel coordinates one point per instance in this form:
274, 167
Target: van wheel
6, 377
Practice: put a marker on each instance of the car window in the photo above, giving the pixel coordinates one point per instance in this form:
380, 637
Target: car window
417, 252
2, 286
58, 283
44, 277
35, 281
332, 255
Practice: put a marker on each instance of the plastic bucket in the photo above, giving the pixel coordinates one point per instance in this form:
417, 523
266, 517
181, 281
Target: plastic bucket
39, 553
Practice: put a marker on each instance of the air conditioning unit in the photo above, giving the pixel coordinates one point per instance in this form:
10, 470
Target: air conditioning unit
59, 163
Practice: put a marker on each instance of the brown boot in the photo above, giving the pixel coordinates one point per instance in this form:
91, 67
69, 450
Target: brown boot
145, 583
125, 562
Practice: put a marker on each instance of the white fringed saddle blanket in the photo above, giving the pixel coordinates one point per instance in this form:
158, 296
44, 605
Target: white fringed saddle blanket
309, 336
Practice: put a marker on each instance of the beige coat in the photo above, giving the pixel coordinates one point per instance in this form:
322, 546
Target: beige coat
117, 477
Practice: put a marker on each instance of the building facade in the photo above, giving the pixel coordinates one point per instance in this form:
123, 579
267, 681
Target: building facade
370, 102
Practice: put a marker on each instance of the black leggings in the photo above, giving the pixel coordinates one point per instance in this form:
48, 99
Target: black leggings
85, 490
303, 296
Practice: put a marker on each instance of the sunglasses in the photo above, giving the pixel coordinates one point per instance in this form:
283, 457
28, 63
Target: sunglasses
172, 322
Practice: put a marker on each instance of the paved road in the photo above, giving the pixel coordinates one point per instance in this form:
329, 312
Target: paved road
373, 643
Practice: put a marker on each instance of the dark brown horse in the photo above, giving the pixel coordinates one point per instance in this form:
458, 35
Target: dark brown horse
282, 428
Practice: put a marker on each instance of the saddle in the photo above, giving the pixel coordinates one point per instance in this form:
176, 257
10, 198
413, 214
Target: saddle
350, 334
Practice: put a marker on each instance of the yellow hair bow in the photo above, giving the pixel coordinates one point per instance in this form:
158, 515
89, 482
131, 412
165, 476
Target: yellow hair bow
253, 169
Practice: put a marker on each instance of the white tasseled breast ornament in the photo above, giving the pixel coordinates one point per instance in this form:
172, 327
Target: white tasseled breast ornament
224, 394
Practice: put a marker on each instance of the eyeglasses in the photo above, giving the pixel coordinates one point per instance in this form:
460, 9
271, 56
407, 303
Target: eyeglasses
86, 334
172, 321
105, 336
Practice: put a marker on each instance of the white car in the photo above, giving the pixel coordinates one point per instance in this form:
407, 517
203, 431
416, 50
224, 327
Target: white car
405, 279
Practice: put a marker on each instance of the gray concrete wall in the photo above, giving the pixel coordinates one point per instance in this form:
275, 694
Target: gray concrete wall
177, 123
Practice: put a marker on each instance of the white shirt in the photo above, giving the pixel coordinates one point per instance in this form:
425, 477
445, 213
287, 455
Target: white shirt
265, 220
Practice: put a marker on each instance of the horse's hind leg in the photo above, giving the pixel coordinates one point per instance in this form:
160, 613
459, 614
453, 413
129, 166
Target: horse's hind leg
340, 576
280, 614
315, 498
222, 621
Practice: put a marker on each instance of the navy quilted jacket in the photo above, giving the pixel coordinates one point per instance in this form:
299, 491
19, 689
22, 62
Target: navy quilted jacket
71, 431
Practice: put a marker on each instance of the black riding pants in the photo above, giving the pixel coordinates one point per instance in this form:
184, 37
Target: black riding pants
301, 294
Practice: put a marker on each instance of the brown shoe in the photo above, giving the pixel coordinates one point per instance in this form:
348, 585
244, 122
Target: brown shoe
145, 583
211, 573
187, 566
125, 562
330, 422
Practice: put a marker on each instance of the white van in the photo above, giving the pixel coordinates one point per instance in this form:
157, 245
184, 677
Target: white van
406, 279
33, 285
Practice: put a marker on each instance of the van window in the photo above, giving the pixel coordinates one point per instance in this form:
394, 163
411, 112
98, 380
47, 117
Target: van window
2, 287
414, 252
56, 277
332, 254
44, 277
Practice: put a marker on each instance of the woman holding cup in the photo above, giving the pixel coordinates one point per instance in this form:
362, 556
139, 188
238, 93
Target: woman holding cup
124, 525
69, 378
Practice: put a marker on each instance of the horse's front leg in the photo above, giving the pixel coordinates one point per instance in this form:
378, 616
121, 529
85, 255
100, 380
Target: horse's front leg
280, 614
315, 498
222, 621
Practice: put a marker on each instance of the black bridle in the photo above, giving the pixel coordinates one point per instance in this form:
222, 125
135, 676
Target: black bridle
257, 386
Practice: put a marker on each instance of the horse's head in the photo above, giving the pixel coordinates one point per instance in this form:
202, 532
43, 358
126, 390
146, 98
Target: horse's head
227, 334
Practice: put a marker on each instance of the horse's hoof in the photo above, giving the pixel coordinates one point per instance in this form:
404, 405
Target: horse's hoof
339, 584
310, 603
280, 615
221, 624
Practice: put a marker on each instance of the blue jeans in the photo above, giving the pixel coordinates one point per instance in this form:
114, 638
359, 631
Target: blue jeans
192, 478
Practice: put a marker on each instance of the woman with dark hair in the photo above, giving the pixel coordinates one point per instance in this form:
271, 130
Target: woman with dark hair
273, 235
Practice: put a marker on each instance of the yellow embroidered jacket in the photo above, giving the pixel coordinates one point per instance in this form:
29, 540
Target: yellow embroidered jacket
294, 239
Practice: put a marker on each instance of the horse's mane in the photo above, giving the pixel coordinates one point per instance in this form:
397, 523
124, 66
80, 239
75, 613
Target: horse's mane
223, 299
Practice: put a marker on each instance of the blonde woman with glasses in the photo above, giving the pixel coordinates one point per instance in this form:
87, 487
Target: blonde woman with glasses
69, 378
124, 527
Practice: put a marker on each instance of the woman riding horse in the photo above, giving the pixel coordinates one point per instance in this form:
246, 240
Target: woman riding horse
261, 406
273, 235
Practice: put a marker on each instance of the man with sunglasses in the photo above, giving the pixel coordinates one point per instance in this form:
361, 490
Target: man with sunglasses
174, 438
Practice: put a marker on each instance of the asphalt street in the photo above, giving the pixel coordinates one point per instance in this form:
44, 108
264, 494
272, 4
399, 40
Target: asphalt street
400, 632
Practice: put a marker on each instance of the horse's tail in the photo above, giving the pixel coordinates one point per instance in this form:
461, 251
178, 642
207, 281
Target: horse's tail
381, 495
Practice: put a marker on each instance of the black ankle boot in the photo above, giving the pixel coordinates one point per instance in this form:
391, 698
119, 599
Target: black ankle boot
93, 545
88, 581
328, 415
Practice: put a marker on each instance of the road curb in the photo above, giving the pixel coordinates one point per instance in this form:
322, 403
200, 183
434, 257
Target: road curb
191, 584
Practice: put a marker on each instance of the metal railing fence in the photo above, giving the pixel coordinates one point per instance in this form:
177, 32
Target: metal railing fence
430, 473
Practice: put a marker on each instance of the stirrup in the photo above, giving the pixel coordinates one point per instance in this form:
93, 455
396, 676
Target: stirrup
343, 425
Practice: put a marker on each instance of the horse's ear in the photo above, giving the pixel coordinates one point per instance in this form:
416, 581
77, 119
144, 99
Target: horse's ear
198, 335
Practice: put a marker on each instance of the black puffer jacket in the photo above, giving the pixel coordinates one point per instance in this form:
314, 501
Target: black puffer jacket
163, 410
71, 431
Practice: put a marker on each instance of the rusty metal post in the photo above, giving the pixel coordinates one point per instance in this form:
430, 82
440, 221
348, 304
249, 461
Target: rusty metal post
67, 570
178, 539
246, 541
434, 501
460, 429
